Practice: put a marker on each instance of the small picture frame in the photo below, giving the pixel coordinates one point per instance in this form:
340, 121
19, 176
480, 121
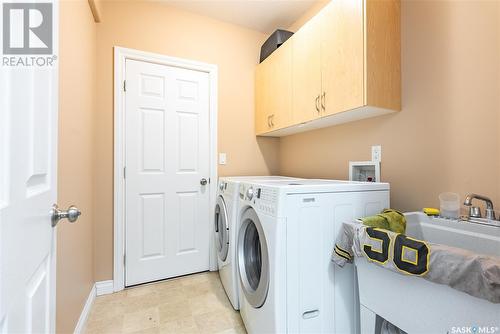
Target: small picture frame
364, 171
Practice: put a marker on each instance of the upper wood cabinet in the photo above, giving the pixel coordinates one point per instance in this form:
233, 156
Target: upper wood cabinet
345, 66
306, 71
273, 91
342, 56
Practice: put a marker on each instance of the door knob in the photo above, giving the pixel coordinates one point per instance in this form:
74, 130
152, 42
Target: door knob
203, 182
57, 214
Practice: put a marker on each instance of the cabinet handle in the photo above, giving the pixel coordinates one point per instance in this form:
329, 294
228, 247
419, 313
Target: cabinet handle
317, 103
323, 101
272, 120
269, 121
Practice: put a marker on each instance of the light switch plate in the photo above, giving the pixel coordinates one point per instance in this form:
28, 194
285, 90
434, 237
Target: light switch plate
377, 153
222, 158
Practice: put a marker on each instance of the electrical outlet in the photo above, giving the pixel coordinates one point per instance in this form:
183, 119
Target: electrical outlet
377, 153
222, 158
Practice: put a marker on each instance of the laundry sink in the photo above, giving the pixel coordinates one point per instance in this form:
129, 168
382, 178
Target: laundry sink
478, 236
417, 305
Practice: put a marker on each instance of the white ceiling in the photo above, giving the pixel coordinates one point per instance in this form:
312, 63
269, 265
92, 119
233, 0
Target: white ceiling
261, 15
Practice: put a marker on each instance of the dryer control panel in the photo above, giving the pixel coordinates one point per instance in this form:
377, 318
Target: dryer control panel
226, 188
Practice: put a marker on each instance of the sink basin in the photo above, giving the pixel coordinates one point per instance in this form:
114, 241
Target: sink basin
417, 305
481, 238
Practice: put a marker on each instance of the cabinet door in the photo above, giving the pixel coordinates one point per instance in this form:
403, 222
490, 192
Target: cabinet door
280, 87
262, 124
306, 69
342, 56
273, 91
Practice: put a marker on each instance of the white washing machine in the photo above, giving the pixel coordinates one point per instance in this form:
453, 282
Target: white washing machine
226, 230
286, 235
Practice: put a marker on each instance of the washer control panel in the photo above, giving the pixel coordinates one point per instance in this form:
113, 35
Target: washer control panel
264, 199
268, 200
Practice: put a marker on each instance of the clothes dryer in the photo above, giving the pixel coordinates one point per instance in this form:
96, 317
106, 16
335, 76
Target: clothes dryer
225, 230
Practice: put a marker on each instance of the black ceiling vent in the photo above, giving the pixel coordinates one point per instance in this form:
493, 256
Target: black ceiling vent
273, 42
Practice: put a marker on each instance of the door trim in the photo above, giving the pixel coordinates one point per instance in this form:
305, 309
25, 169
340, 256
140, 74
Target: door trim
120, 56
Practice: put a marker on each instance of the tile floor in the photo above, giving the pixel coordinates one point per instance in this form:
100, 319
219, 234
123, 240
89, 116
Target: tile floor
190, 304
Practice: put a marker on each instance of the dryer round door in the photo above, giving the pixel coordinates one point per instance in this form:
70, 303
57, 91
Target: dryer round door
253, 259
221, 229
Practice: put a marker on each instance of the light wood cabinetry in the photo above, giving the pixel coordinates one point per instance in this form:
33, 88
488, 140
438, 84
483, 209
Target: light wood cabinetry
342, 56
306, 71
383, 54
273, 91
262, 93
345, 65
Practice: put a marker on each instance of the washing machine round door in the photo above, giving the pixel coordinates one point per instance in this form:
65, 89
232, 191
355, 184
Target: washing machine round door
253, 259
221, 229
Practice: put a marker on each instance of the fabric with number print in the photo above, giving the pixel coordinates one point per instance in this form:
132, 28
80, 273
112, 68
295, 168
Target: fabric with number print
463, 270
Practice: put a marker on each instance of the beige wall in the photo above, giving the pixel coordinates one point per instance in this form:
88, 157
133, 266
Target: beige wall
77, 55
156, 27
446, 138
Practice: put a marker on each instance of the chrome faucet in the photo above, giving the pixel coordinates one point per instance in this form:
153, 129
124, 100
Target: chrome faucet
490, 214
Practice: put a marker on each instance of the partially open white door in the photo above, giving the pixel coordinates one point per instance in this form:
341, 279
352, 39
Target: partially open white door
28, 161
167, 160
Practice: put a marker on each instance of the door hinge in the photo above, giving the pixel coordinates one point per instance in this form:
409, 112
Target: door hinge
124, 85
208, 180
124, 257
124, 172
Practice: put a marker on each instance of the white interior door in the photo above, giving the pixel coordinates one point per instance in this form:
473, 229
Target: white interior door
167, 162
28, 179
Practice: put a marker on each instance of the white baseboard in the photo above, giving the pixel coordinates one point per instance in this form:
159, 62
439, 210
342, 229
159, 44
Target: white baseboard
104, 287
98, 289
82, 321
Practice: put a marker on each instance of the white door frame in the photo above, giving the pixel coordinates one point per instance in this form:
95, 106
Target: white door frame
121, 55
